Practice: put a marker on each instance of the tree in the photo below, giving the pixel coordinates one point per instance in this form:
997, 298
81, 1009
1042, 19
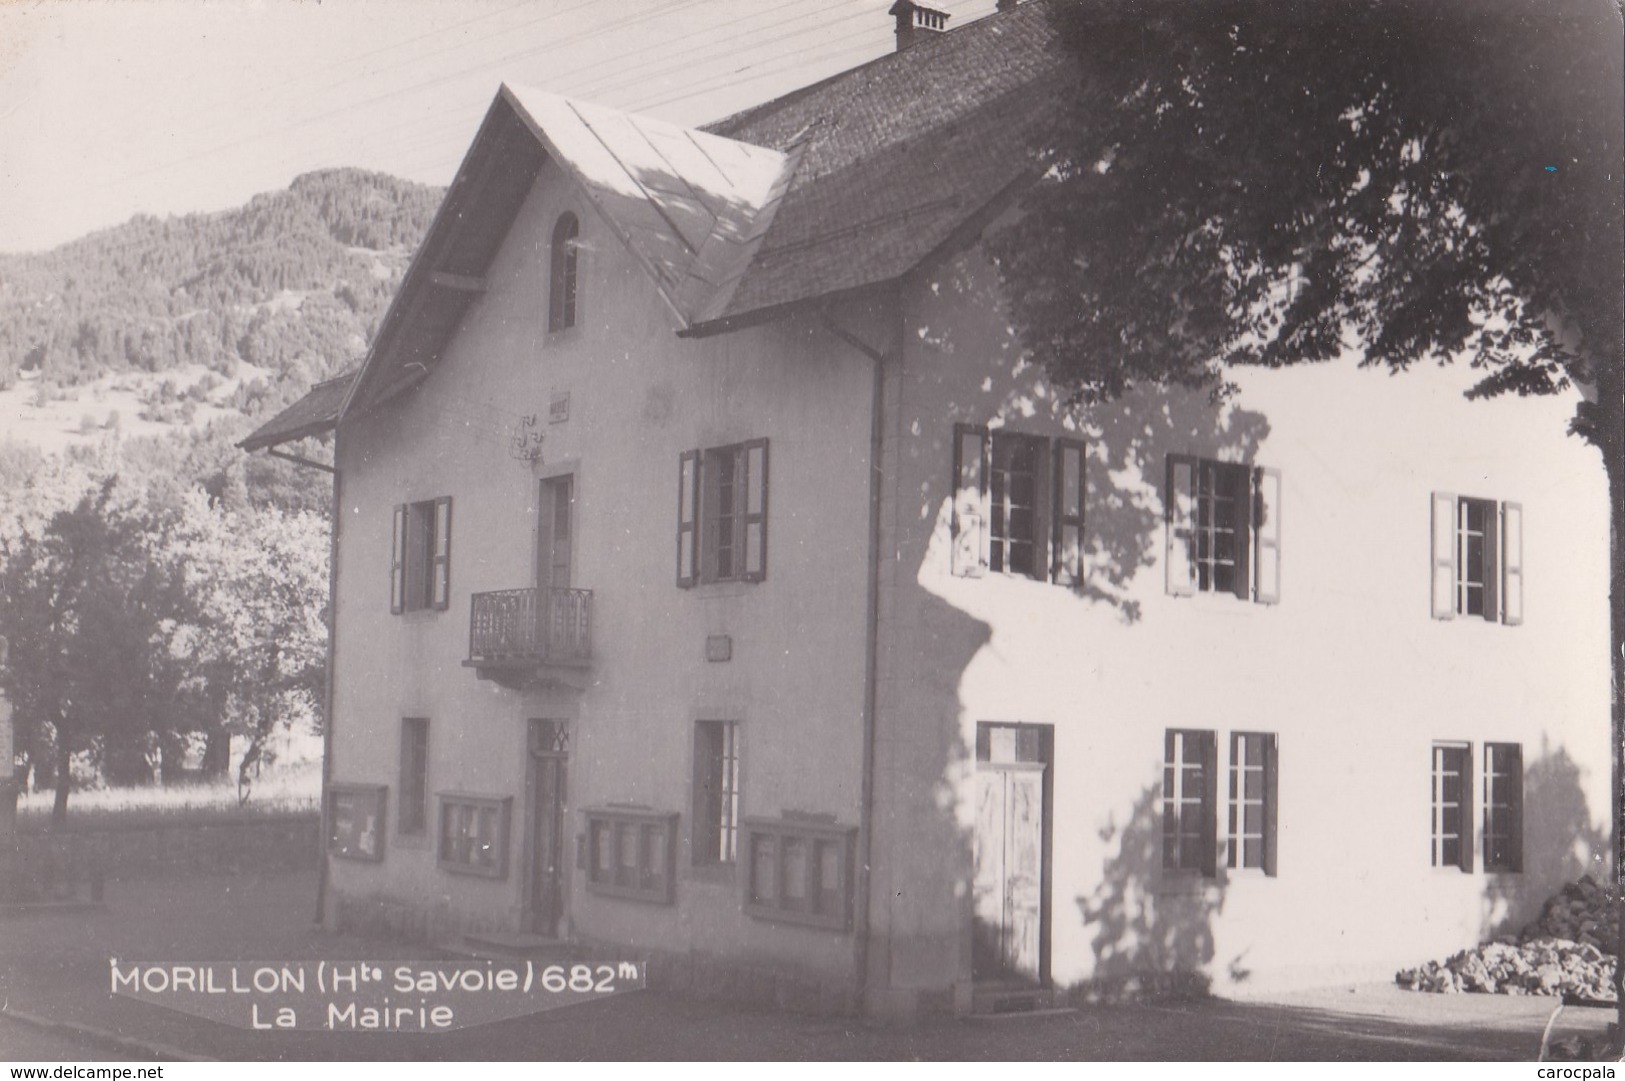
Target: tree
81, 605
248, 644
1255, 182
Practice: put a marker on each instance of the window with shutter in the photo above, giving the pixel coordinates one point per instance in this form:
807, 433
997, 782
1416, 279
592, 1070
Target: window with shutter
1189, 791
1018, 504
1477, 558
722, 498
1223, 525
1252, 801
420, 561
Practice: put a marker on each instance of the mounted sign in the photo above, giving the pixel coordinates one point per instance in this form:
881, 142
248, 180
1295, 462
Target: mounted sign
355, 821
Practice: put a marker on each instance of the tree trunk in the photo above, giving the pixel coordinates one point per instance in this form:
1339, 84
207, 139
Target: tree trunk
217, 754
64, 775
1610, 439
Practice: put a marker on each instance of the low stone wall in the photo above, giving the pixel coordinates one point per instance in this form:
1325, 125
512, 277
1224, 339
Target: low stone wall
151, 848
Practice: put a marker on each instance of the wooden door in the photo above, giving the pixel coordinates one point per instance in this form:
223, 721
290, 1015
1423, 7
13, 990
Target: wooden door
1010, 884
553, 549
548, 746
1009, 870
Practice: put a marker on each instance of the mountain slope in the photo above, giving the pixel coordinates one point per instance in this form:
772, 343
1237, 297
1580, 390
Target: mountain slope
293, 284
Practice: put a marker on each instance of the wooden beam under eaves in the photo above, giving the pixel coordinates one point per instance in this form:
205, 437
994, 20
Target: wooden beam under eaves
462, 283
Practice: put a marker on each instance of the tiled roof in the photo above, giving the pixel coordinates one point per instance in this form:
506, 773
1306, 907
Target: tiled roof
899, 152
315, 413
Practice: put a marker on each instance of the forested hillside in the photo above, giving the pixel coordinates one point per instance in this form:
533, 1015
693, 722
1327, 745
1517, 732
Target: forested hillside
294, 283
163, 594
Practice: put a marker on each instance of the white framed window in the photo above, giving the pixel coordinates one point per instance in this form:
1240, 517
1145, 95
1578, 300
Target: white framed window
1223, 522
716, 792
1477, 558
420, 567
1189, 797
1253, 799
1452, 806
722, 514
563, 280
1018, 505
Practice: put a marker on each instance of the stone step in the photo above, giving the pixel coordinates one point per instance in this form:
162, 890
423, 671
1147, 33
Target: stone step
1008, 1001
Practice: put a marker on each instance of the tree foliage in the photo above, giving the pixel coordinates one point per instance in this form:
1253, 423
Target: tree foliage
144, 613
1246, 181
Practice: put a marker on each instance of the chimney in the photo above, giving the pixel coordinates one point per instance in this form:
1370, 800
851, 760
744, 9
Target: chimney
915, 21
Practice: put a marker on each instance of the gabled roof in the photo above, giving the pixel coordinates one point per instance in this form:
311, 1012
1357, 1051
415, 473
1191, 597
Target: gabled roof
844, 185
691, 206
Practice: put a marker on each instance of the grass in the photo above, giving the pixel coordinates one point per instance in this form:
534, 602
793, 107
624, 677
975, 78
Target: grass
280, 790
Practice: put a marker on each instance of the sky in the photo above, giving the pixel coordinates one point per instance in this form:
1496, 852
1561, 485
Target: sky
109, 108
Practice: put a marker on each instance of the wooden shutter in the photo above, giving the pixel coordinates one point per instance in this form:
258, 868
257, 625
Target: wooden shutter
1208, 743
1492, 562
753, 479
441, 577
1444, 555
1266, 523
397, 569
1239, 479
1271, 790
1512, 563
1179, 509
1513, 757
970, 535
1066, 562
688, 511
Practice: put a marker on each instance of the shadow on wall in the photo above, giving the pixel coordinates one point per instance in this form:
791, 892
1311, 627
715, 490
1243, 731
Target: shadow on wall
1560, 843
1129, 443
1153, 933
1128, 440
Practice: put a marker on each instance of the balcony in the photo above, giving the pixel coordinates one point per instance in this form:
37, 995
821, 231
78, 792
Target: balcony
531, 637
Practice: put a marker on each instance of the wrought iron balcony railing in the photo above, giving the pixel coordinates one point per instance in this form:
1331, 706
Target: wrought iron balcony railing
530, 626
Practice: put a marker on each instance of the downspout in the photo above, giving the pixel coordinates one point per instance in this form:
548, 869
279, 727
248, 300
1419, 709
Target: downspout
861, 920
332, 648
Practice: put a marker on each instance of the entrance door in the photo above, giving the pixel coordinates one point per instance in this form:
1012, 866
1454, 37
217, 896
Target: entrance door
1011, 858
548, 745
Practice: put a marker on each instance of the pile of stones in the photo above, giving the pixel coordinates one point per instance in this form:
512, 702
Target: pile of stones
1568, 951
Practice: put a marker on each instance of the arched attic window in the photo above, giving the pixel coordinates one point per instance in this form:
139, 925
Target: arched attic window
561, 295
